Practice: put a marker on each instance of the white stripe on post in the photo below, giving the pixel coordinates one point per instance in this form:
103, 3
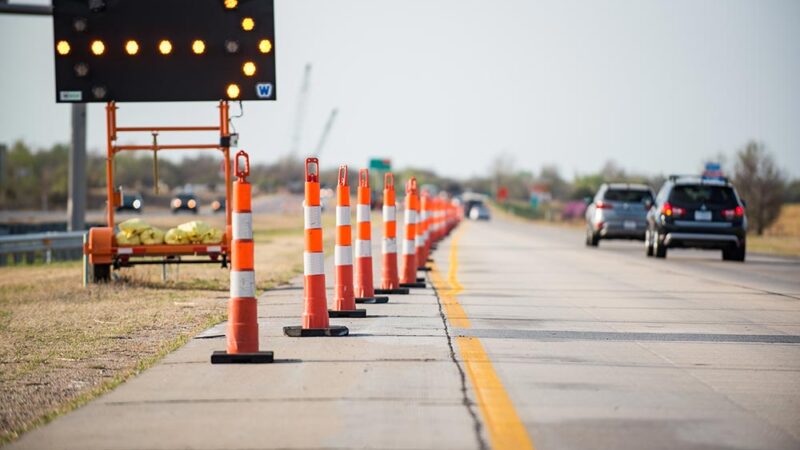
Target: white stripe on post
408, 247
313, 217
343, 255
342, 215
411, 216
313, 263
362, 213
389, 245
389, 213
242, 225
243, 284
363, 248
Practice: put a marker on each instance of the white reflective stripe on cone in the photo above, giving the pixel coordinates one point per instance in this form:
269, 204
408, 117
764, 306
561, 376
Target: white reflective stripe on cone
363, 248
362, 213
390, 214
242, 225
313, 263
243, 284
389, 245
342, 215
420, 240
411, 216
343, 255
408, 247
312, 217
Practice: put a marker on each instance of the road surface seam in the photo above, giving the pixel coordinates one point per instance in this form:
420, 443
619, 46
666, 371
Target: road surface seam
462, 375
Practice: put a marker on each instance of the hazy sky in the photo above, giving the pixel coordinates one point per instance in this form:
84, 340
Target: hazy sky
448, 84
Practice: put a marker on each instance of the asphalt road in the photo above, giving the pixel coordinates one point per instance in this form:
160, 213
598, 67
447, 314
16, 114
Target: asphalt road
529, 340
605, 348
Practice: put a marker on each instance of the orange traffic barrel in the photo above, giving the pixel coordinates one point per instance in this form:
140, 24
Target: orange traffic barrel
390, 280
344, 299
242, 332
408, 266
315, 310
365, 289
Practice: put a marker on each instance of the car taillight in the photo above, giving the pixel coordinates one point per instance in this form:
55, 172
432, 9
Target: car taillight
669, 210
604, 205
735, 213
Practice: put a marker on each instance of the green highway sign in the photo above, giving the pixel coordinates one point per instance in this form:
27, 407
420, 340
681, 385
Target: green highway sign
383, 164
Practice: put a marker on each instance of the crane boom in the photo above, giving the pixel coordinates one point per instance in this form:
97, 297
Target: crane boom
300, 113
326, 131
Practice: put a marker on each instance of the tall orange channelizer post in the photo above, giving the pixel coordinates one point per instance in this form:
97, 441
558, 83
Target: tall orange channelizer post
315, 313
344, 298
426, 220
390, 281
408, 268
242, 331
365, 289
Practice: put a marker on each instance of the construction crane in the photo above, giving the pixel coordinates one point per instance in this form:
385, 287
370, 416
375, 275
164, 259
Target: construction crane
300, 112
326, 131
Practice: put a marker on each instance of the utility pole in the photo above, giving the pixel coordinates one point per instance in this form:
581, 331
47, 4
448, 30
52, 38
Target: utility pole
76, 204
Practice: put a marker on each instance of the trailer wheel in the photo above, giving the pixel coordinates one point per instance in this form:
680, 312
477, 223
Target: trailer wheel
101, 273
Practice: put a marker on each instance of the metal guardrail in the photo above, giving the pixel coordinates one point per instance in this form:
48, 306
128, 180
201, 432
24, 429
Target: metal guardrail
54, 246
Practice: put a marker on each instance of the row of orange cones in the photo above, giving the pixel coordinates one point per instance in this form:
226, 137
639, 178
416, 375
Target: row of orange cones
427, 220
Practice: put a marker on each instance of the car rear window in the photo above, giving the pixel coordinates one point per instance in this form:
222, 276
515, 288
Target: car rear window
697, 195
628, 195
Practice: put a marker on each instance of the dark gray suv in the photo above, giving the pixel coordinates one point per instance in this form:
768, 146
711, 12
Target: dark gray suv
618, 211
697, 212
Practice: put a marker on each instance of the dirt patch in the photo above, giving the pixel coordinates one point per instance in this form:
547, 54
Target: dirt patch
62, 344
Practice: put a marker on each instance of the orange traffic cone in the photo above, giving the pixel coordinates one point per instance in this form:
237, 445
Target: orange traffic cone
315, 314
344, 298
408, 268
365, 290
390, 281
242, 333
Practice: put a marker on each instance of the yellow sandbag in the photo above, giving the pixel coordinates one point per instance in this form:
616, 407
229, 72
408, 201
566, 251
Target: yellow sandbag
133, 226
214, 236
195, 230
124, 239
176, 236
152, 236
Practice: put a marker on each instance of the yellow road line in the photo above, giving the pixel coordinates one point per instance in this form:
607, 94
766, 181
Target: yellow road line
506, 430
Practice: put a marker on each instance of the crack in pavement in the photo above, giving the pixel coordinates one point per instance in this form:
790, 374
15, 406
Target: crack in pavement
465, 398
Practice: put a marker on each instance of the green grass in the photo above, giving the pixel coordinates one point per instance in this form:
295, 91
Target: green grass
84, 398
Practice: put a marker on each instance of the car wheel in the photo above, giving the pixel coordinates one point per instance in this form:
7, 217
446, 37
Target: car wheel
648, 244
660, 250
592, 239
734, 254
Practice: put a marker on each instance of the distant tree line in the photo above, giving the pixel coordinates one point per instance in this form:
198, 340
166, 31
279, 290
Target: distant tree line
37, 179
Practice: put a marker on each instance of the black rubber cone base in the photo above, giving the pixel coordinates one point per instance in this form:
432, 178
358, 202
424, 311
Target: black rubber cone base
347, 313
372, 300
223, 357
420, 279
332, 331
398, 291
419, 284
424, 269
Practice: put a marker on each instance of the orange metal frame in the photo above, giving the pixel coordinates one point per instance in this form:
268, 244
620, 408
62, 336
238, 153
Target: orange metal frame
214, 250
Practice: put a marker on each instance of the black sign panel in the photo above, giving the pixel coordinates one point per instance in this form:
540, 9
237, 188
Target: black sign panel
164, 50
